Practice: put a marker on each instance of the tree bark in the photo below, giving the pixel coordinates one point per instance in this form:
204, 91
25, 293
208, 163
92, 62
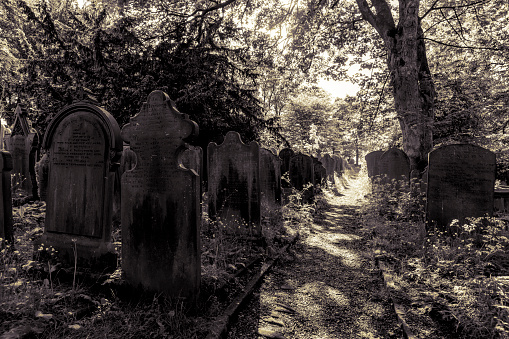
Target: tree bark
411, 80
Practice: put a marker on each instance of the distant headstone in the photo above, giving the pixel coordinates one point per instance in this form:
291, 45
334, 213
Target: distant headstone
6, 226
461, 181
320, 172
302, 174
161, 213
82, 147
23, 144
373, 163
285, 154
394, 165
270, 177
329, 165
338, 165
234, 184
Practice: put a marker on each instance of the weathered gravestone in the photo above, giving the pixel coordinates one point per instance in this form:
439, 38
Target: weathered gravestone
329, 164
373, 163
320, 172
234, 184
23, 143
394, 165
161, 202
270, 177
6, 226
461, 180
82, 148
285, 155
302, 175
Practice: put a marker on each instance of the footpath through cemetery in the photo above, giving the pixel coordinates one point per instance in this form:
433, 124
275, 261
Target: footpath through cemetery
133, 231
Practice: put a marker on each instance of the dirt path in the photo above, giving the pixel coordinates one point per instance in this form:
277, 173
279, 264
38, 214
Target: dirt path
330, 288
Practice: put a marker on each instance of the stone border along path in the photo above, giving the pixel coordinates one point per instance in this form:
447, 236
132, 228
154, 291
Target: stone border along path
329, 288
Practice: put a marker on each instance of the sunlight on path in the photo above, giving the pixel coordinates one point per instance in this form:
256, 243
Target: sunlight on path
332, 287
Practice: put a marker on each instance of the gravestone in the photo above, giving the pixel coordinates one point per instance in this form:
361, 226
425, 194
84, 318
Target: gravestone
6, 225
461, 180
320, 172
23, 143
394, 165
82, 148
234, 184
270, 177
302, 174
161, 202
285, 155
328, 162
192, 158
338, 165
373, 163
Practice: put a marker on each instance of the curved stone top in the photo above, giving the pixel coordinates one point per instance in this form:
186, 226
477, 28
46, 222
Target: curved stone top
232, 138
112, 128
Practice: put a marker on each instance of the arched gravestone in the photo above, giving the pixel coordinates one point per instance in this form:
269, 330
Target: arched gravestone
161, 202
373, 163
270, 177
6, 226
82, 148
338, 165
394, 164
234, 184
320, 173
23, 144
461, 181
302, 174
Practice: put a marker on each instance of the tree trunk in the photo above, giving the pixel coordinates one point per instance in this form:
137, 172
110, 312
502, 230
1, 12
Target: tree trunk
413, 88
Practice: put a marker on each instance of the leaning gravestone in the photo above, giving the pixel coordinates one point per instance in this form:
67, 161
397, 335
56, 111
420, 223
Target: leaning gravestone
394, 165
234, 184
270, 177
82, 147
302, 175
161, 202
373, 163
6, 225
461, 181
23, 143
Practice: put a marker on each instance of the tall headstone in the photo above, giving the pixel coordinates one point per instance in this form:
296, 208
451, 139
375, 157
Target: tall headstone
6, 225
302, 175
461, 181
23, 144
234, 184
373, 163
320, 174
338, 165
161, 202
270, 177
394, 165
82, 148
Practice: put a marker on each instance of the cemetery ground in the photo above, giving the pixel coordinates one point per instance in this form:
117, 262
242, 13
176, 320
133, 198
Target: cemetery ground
327, 285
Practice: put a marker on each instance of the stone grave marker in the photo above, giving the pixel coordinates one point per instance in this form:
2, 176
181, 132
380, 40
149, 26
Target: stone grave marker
6, 224
328, 162
338, 165
161, 213
82, 148
270, 177
285, 155
302, 174
373, 163
23, 143
234, 184
394, 164
461, 181
320, 172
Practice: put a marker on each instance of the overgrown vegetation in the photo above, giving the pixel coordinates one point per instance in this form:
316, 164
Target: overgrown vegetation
456, 277
39, 298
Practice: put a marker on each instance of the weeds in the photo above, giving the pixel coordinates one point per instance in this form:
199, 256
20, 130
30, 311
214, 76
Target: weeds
455, 271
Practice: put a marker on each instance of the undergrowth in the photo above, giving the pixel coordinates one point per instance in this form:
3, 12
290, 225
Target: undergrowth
456, 276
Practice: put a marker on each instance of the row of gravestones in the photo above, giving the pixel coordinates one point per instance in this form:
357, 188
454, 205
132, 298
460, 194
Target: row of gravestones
459, 180
83, 151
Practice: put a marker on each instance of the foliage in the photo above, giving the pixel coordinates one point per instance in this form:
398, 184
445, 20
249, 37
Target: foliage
449, 276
